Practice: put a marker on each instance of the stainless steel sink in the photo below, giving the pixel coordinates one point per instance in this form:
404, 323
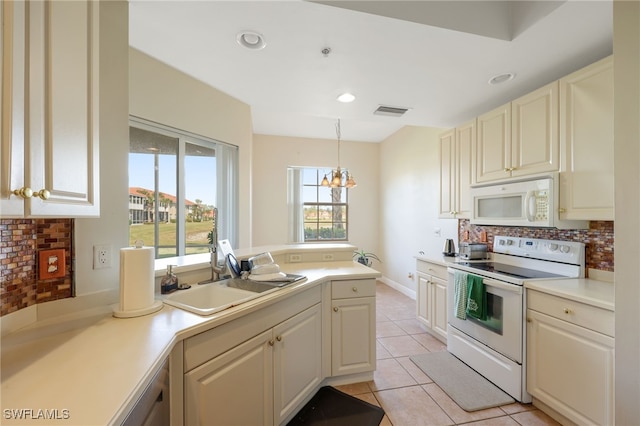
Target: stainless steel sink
207, 299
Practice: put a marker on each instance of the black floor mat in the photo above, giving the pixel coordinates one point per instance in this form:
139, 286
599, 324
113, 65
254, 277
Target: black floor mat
330, 407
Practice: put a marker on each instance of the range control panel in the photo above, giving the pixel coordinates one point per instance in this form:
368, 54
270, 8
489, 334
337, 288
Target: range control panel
557, 251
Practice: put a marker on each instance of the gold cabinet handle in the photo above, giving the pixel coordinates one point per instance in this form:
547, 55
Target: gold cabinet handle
561, 210
24, 192
567, 311
335, 309
271, 342
354, 289
279, 338
43, 194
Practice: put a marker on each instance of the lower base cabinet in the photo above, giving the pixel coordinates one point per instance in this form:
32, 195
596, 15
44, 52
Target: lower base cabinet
353, 319
571, 364
431, 298
261, 381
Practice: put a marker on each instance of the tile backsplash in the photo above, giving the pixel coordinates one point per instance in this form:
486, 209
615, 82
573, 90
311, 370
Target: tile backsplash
21, 241
598, 239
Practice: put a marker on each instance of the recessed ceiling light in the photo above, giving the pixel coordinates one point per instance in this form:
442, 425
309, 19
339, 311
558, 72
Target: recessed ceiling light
501, 78
346, 98
251, 40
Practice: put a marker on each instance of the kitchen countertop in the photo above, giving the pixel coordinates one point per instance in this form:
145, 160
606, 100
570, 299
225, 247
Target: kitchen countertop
591, 292
89, 368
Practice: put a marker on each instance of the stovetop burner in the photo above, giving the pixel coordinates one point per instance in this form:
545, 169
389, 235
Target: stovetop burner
509, 270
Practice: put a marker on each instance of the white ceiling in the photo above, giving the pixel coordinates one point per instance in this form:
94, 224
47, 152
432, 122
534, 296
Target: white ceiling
434, 57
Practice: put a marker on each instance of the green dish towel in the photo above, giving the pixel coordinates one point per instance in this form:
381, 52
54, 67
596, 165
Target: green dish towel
460, 297
477, 302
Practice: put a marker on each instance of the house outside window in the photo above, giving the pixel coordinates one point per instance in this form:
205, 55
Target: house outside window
318, 213
176, 179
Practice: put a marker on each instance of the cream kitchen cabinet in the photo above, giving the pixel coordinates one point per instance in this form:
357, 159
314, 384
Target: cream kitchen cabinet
456, 171
353, 320
50, 80
432, 297
260, 380
586, 140
519, 138
570, 353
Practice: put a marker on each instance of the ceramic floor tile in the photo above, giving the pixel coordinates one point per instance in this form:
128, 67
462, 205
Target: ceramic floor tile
397, 313
498, 421
417, 374
402, 346
429, 342
411, 326
388, 328
354, 388
517, 407
454, 411
382, 352
380, 317
390, 374
411, 406
534, 418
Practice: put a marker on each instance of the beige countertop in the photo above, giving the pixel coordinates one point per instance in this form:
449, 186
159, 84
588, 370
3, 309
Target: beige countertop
592, 292
89, 368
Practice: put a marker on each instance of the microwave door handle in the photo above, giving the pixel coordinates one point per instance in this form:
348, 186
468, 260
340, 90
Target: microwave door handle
529, 207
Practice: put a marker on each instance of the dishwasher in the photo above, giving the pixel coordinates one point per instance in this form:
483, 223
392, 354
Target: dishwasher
152, 408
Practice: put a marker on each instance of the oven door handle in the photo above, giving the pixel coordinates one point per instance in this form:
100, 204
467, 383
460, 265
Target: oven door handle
513, 288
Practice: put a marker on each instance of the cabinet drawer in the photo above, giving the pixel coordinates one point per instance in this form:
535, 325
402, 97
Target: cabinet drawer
353, 288
434, 269
587, 316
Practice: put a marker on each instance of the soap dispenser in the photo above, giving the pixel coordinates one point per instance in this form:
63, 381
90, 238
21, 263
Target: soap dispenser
169, 282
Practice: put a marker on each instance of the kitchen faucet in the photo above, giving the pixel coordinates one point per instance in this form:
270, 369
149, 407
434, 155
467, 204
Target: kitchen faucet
213, 240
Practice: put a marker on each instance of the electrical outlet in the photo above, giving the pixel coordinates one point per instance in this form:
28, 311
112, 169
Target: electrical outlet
327, 256
101, 256
295, 258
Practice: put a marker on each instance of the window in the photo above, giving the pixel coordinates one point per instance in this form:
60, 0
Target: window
318, 213
176, 179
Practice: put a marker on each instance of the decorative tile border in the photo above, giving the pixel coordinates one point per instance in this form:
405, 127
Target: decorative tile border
598, 239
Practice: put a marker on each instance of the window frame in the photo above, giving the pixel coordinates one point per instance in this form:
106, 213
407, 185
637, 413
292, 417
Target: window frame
227, 169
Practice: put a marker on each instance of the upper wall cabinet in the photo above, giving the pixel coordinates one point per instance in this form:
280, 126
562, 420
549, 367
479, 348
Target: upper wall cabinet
519, 138
456, 171
586, 139
50, 64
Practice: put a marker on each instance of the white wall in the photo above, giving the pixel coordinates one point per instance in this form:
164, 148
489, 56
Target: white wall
409, 180
626, 49
272, 156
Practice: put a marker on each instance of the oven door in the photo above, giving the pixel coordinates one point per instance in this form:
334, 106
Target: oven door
502, 331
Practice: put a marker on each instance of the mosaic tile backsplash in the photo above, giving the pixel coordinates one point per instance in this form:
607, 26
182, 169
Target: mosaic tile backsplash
598, 239
21, 241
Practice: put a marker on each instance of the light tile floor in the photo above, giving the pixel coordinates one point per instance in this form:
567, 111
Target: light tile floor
407, 395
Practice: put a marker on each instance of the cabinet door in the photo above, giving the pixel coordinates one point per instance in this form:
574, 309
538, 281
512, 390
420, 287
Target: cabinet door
422, 304
353, 347
439, 306
297, 367
570, 368
63, 107
465, 169
586, 139
534, 138
12, 16
493, 145
235, 388
447, 175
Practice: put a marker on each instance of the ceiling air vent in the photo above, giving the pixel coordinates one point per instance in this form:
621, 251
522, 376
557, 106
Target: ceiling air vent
390, 111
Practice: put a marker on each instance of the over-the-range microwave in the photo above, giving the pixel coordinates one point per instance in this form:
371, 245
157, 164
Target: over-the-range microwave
527, 202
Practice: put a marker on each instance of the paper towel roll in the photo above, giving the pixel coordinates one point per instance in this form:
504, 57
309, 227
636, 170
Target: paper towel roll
137, 282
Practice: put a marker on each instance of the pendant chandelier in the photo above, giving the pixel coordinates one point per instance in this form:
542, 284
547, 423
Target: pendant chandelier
339, 178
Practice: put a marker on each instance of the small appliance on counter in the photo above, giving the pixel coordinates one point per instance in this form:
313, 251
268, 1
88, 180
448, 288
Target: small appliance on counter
449, 248
473, 251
